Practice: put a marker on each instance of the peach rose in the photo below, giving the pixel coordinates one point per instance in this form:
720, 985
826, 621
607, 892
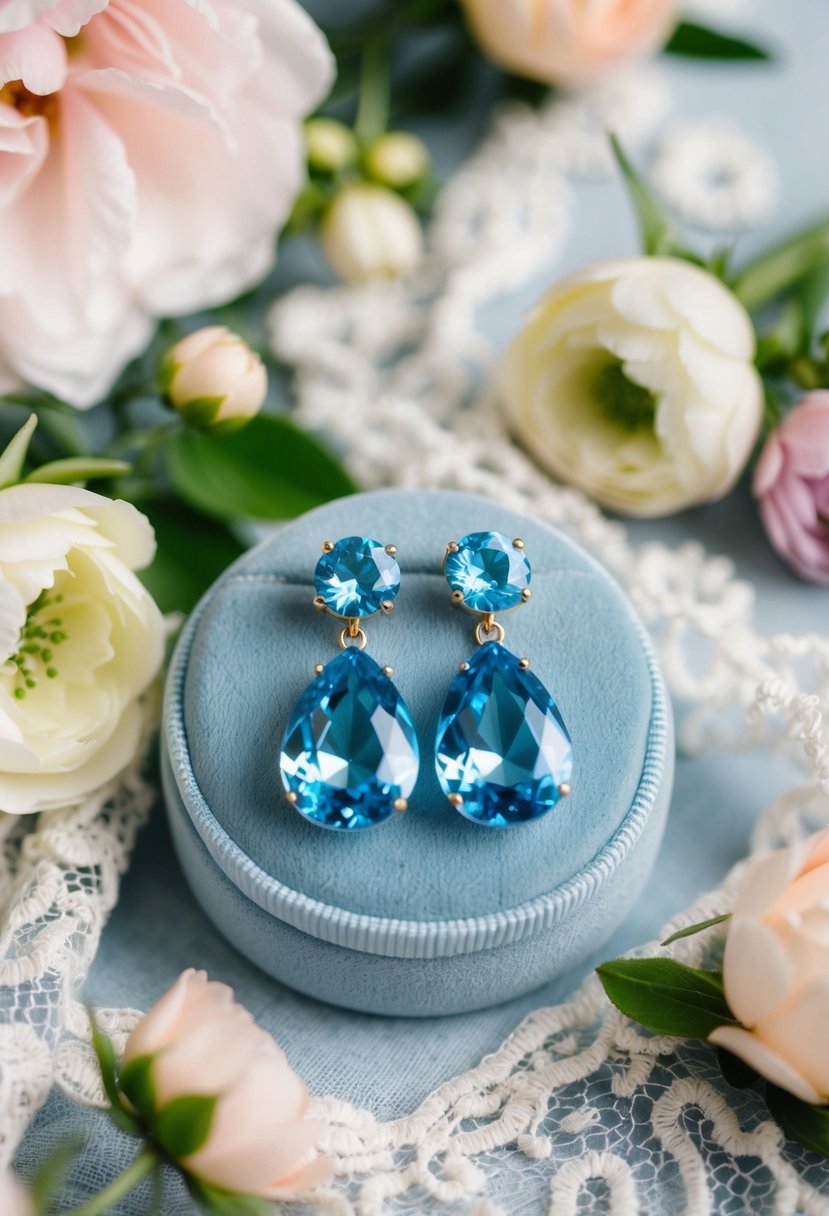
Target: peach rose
150, 150
776, 969
569, 42
214, 379
197, 1041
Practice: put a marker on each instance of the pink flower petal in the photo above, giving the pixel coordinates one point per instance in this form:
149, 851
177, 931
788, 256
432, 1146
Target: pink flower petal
769, 466
37, 56
759, 1056
798, 1034
756, 968
157, 1027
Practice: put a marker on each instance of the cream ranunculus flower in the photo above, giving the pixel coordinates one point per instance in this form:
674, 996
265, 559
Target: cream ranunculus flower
633, 379
81, 640
776, 969
198, 1041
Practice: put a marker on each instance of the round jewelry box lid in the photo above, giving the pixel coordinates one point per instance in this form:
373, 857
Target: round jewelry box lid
427, 883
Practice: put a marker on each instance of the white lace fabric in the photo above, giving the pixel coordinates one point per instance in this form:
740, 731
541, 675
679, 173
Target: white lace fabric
578, 1111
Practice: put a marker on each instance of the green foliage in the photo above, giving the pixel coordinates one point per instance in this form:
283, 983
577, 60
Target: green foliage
807, 1124
666, 996
14, 456
136, 1082
183, 1125
192, 552
690, 930
227, 1203
269, 470
74, 469
699, 42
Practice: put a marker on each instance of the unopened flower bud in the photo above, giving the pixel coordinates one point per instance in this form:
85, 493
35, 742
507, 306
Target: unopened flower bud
331, 145
397, 159
369, 233
214, 379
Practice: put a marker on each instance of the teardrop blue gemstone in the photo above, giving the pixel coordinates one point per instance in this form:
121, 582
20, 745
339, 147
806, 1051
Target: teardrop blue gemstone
350, 747
501, 743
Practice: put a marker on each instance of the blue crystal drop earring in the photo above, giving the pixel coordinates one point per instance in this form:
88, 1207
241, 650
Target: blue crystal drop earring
350, 755
502, 752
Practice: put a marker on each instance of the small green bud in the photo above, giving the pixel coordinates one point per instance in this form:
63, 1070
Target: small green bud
397, 159
331, 145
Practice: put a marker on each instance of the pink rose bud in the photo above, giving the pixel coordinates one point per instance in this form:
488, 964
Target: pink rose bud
218, 1095
568, 42
791, 482
776, 972
214, 379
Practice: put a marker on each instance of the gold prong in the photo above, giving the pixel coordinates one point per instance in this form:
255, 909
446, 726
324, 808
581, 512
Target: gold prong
463, 667
389, 671
400, 805
318, 669
452, 547
291, 796
319, 603
387, 606
327, 546
563, 789
456, 800
524, 664
457, 597
526, 594
518, 543
391, 550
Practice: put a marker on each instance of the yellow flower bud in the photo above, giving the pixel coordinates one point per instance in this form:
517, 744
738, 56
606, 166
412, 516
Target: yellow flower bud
331, 145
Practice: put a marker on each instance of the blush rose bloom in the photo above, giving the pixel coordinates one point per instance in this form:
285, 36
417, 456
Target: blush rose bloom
569, 42
634, 380
791, 482
200, 1042
150, 150
776, 969
81, 639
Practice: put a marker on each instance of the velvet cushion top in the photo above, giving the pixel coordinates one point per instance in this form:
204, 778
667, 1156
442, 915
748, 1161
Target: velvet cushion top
428, 882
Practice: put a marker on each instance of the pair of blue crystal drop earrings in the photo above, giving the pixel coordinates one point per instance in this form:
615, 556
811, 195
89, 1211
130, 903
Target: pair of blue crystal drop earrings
350, 755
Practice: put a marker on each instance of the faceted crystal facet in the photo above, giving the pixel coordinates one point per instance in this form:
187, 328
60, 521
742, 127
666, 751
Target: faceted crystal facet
488, 571
350, 747
502, 745
356, 576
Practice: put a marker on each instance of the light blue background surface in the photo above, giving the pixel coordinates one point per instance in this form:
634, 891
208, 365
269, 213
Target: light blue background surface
390, 1065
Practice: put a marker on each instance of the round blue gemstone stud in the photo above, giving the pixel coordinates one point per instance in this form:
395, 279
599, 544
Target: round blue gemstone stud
357, 576
488, 572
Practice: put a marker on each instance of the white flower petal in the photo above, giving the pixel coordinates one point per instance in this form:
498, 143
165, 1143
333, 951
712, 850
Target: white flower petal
764, 1060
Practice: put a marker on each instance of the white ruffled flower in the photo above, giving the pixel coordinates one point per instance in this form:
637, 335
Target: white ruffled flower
81, 640
715, 176
634, 380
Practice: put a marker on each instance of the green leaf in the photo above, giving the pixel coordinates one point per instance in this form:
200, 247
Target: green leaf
654, 228
807, 1124
11, 460
105, 1053
183, 1125
192, 552
690, 930
736, 1071
784, 266
51, 1175
268, 470
699, 42
666, 996
228, 1203
136, 1081
78, 468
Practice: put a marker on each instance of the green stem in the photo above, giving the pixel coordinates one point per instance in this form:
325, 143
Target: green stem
373, 107
775, 271
144, 1163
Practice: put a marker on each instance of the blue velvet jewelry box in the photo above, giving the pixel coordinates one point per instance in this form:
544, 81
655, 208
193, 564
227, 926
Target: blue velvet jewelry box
427, 913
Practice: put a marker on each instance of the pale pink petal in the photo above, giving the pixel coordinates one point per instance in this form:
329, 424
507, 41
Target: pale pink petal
158, 1025
769, 466
37, 56
24, 145
799, 1032
753, 950
817, 850
207, 1058
303, 1179
17, 14
765, 877
69, 16
764, 1060
299, 68
256, 1160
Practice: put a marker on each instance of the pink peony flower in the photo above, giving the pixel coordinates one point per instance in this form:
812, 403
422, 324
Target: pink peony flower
197, 1040
569, 42
791, 482
150, 150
